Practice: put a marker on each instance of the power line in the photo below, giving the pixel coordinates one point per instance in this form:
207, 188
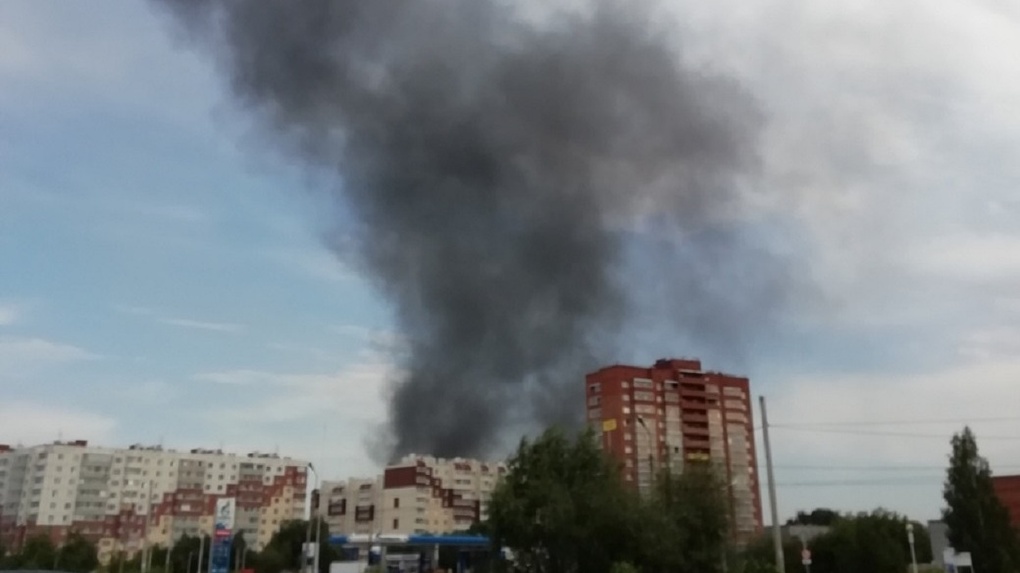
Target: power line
911, 481
876, 468
872, 468
821, 430
922, 422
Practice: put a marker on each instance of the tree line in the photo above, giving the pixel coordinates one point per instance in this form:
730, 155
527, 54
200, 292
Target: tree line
873, 541
79, 555
563, 508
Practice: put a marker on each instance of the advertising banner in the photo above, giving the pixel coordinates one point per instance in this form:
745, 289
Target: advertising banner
219, 553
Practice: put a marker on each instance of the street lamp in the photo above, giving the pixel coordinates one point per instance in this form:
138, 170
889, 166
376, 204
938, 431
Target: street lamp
805, 555
913, 554
651, 450
318, 526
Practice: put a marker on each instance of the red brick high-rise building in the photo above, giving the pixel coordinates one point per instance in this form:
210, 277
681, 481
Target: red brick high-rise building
675, 413
1007, 489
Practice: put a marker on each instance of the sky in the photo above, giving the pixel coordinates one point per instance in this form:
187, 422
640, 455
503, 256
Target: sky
164, 278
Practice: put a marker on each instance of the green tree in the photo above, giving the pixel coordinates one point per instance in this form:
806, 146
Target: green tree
820, 516
38, 552
623, 567
686, 527
239, 551
185, 549
120, 562
561, 507
157, 558
284, 549
875, 542
760, 555
77, 554
270, 560
977, 520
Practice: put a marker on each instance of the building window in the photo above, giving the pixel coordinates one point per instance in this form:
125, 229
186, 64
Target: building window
396, 503
396, 524
594, 388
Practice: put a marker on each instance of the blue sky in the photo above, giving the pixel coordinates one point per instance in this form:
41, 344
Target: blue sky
164, 278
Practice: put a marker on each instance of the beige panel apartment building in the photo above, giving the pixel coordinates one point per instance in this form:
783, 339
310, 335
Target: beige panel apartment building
419, 494
119, 497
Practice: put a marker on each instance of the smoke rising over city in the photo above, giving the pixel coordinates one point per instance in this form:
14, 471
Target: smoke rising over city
502, 169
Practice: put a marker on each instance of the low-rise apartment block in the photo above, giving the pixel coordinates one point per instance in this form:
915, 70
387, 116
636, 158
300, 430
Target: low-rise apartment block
419, 494
121, 497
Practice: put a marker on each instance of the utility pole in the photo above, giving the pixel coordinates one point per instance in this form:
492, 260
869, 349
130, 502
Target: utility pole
777, 534
201, 550
144, 565
313, 566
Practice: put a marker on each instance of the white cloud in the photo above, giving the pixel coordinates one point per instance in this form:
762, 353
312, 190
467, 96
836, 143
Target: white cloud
238, 377
151, 392
18, 351
972, 257
33, 423
317, 354
326, 417
318, 264
161, 318
375, 339
991, 343
202, 325
9, 313
170, 212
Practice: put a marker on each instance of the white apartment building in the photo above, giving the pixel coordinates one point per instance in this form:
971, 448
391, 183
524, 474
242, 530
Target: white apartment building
419, 494
119, 497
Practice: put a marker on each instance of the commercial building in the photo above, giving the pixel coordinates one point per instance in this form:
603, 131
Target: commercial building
419, 494
121, 497
676, 413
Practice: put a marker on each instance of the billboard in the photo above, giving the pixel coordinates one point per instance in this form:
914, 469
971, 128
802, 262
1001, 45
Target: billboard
225, 509
219, 553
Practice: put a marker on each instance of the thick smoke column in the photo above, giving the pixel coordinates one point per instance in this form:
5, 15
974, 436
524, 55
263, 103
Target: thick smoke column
498, 167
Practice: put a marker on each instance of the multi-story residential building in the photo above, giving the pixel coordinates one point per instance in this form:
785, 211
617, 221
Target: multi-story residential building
123, 498
350, 506
675, 413
1007, 489
419, 494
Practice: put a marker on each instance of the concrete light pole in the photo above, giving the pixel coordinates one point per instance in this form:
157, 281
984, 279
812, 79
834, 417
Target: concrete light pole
913, 554
318, 526
777, 534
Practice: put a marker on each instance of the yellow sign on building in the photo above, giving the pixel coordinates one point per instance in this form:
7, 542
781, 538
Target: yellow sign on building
609, 425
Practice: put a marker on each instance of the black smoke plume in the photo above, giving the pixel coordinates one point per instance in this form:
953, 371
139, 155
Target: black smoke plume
502, 167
